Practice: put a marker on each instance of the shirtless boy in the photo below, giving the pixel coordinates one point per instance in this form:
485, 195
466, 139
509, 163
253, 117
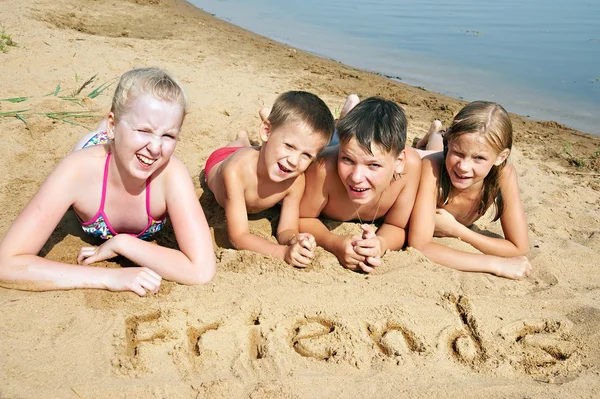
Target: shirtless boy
247, 179
369, 175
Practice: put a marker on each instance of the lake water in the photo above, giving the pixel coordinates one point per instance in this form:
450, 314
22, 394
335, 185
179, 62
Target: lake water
539, 58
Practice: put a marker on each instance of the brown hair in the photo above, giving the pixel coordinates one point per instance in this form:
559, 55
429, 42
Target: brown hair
375, 121
492, 122
305, 107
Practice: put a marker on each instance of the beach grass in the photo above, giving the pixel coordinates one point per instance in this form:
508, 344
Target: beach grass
6, 41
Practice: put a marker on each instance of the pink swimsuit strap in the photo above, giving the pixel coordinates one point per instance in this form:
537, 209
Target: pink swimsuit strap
94, 225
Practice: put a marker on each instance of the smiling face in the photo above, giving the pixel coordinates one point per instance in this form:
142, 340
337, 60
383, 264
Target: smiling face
365, 175
145, 135
290, 149
469, 160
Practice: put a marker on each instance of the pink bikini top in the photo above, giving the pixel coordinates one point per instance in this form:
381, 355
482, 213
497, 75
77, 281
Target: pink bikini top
99, 226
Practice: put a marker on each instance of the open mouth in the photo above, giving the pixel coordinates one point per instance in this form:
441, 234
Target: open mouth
461, 177
358, 190
283, 168
145, 160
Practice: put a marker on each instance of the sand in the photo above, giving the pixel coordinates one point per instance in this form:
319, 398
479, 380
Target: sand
263, 329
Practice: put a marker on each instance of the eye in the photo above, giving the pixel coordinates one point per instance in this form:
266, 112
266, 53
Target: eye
307, 156
169, 137
480, 158
346, 160
289, 146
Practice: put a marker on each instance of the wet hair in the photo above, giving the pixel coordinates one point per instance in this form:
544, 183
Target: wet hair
304, 107
375, 121
492, 122
147, 81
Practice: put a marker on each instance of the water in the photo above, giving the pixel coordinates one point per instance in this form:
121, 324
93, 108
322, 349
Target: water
539, 58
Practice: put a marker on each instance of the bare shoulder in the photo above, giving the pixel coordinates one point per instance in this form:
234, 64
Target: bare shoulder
239, 164
81, 163
433, 162
413, 160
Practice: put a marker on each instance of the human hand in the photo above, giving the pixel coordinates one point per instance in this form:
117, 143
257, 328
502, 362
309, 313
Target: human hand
89, 255
344, 250
140, 280
369, 246
514, 268
300, 249
445, 224
307, 240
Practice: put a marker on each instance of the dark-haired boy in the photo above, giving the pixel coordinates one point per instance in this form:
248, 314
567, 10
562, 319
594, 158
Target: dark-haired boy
369, 175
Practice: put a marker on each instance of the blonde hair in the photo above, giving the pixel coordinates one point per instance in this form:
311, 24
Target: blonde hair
492, 122
147, 81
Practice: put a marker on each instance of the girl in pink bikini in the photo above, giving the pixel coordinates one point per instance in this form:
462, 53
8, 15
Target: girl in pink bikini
120, 181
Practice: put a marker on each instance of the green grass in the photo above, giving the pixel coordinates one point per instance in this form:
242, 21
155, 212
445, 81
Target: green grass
6, 41
76, 97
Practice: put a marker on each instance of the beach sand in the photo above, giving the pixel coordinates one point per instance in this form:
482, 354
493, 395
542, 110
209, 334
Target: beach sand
261, 328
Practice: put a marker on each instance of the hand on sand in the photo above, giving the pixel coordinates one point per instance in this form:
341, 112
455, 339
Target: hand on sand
514, 268
369, 246
140, 280
300, 250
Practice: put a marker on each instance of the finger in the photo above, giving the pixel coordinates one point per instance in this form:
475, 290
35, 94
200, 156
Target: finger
149, 285
138, 289
374, 261
85, 252
305, 253
365, 268
89, 260
152, 273
304, 243
367, 243
368, 230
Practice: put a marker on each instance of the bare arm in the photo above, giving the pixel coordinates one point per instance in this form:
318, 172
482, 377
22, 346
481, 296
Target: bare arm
514, 223
194, 262
422, 227
392, 233
315, 198
237, 221
22, 268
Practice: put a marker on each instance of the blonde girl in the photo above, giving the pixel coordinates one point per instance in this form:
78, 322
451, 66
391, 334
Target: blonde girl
121, 185
459, 184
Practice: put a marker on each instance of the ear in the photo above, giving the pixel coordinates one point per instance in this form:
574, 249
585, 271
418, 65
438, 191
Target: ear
265, 130
110, 126
502, 156
400, 161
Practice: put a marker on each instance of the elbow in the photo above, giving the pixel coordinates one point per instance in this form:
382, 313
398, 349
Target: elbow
203, 273
417, 244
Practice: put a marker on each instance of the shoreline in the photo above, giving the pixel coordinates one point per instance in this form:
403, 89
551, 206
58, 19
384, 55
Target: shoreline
262, 329
441, 76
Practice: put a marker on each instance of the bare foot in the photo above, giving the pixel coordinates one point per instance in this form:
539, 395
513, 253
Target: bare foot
351, 101
241, 140
264, 113
433, 140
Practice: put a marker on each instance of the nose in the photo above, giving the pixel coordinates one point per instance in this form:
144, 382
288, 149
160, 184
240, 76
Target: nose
356, 174
154, 145
464, 165
293, 159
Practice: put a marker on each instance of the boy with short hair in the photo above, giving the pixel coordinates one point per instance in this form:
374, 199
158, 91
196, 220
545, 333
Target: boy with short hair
369, 175
246, 179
